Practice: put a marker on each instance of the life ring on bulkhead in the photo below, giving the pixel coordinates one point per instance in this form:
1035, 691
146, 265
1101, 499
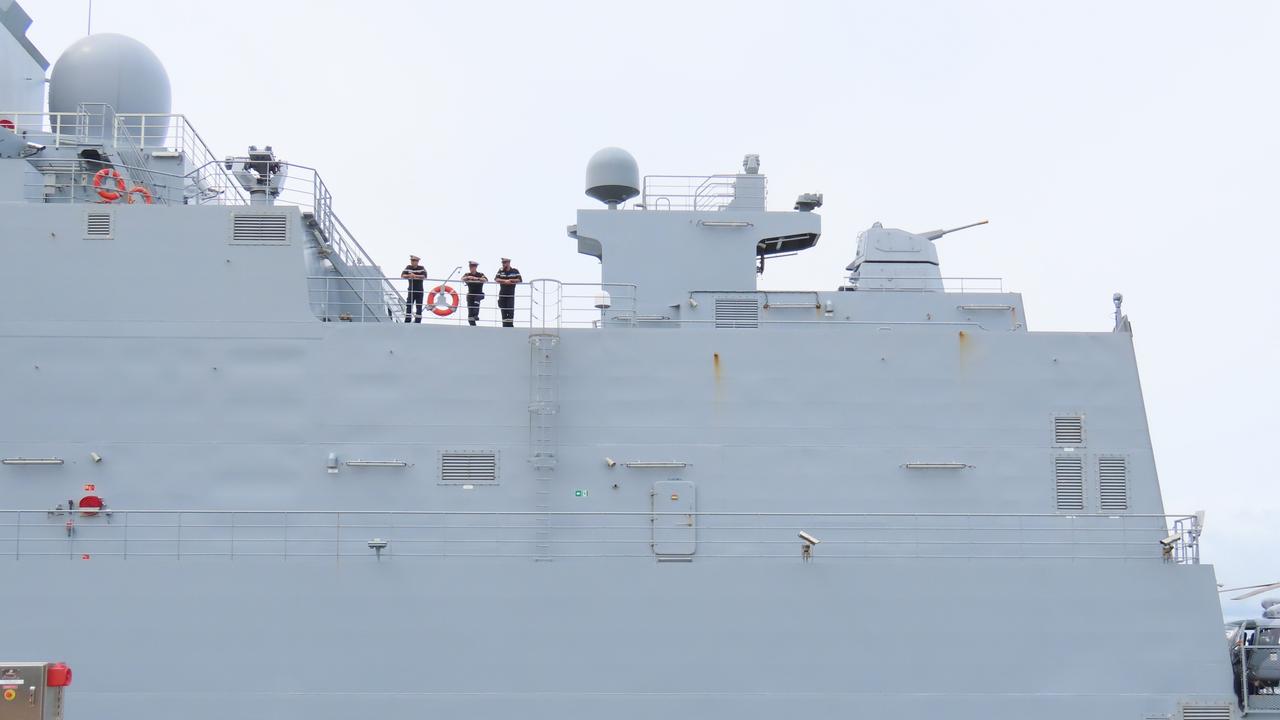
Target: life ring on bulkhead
107, 194
138, 189
448, 295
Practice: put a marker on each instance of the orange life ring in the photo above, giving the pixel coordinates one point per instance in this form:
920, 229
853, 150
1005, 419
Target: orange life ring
145, 193
446, 308
108, 195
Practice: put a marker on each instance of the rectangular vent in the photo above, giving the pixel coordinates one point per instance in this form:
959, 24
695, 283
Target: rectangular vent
737, 312
1206, 712
468, 467
260, 229
1068, 483
1113, 484
1068, 430
98, 225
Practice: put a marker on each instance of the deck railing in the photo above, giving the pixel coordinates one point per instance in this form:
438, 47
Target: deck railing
188, 534
704, 192
538, 303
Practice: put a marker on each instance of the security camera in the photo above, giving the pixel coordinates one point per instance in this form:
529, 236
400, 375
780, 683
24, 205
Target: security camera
610, 462
809, 538
1171, 540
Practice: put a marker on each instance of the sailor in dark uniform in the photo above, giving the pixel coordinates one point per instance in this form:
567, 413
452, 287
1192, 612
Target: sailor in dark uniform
507, 277
475, 281
415, 274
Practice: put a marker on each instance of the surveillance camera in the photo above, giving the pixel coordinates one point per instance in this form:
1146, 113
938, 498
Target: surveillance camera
1171, 540
610, 462
809, 538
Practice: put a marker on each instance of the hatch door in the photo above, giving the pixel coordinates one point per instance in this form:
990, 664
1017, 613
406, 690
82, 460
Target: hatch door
674, 522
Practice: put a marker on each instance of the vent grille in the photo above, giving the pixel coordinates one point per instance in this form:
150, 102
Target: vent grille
1206, 712
469, 467
1068, 430
1068, 483
737, 313
260, 229
1113, 483
98, 225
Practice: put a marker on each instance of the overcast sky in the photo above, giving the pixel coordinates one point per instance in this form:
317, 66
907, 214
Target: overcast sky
1124, 147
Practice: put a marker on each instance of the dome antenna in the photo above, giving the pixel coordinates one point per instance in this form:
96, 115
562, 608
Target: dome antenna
88, 26
613, 177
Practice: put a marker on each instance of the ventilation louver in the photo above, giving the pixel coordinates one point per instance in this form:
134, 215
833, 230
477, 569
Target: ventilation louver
737, 313
260, 229
98, 225
1068, 430
1206, 712
1113, 484
1068, 482
468, 467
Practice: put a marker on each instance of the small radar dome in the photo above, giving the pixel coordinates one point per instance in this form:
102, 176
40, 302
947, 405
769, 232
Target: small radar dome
114, 70
613, 176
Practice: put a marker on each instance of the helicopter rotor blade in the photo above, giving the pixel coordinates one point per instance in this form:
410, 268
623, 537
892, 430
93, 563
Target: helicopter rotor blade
1253, 590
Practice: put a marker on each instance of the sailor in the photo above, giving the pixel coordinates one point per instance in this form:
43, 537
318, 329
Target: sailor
475, 281
508, 277
415, 274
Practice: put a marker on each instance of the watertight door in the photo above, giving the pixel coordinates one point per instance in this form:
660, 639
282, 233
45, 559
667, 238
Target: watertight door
673, 518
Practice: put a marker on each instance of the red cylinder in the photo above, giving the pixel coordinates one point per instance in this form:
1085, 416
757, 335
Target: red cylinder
57, 675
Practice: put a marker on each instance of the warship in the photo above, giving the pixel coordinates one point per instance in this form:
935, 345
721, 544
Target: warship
234, 483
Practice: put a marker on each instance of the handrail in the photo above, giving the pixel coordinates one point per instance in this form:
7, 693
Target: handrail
499, 533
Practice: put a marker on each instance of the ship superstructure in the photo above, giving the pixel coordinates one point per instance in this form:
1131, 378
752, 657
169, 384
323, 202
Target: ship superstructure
683, 496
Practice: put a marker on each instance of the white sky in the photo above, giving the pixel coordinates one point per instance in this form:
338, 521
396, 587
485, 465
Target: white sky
1115, 147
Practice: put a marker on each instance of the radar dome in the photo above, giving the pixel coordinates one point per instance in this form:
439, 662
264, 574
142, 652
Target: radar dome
115, 70
613, 176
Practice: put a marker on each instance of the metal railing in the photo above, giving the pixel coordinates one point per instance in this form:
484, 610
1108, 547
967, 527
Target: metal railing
133, 136
537, 303
705, 192
931, 284
354, 534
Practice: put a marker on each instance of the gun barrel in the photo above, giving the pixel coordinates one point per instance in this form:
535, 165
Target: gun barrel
935, 234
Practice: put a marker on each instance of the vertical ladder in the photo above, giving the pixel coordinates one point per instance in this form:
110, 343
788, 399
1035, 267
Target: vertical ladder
544, 405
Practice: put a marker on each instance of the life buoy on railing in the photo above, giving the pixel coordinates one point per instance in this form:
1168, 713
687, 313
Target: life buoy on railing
448, 298
107, 194
139, 190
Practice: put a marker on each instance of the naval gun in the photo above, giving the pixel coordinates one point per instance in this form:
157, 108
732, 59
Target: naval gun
894, 259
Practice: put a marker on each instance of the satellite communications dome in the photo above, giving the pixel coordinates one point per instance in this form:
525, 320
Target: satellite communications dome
112, 69
613, 176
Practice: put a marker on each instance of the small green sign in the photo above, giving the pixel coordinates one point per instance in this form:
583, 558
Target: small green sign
580, 493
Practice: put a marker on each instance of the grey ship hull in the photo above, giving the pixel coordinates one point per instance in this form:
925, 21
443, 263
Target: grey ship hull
195, 417
498, 638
